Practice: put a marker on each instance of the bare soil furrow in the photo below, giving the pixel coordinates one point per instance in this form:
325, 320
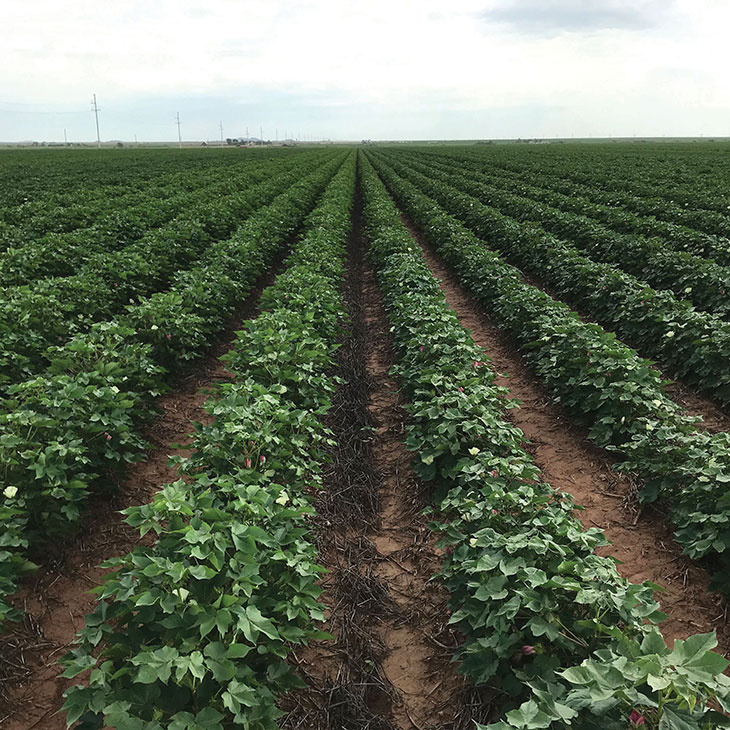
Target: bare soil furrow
389, 666
641, 539
346, 687
416, 665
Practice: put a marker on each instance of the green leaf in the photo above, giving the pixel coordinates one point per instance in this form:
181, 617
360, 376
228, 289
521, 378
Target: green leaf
676, 720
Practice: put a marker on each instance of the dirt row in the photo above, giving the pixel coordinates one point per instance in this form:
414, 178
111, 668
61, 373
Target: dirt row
389, 665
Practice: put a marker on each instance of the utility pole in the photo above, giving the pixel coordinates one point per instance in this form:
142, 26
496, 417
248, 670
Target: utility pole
65, 138
179, 135
277, 134
261, 132
96, 113
248, 141
221, 124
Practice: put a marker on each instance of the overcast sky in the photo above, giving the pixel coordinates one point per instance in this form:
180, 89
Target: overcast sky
379, 69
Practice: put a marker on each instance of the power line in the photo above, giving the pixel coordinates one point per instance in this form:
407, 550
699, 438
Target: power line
28, 111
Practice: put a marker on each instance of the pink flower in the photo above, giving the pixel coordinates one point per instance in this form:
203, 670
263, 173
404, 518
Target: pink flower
495, 511
262, 458
476, 364
494, 474
528, 650
461, 390
636, 718
169, 337
108, 437
248, 463
250, 443
421, 348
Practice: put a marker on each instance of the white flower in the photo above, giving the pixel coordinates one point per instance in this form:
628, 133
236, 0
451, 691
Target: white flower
10, 492
473, 542
282, 499
670, 333
473, 450
154, 327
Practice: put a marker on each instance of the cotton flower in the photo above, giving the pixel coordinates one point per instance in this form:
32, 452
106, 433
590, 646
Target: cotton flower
262, 458
282, 499
10, 492
636, 718
473, 451
108, 437
248, 463
528, 650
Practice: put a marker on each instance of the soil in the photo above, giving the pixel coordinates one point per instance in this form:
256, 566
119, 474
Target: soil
389, 666
641, 539
418, 642
57, 599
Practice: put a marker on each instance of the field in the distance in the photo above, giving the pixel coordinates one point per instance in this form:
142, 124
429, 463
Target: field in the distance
404, 437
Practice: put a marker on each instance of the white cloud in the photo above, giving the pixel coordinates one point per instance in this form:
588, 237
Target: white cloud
372, 69
556, 17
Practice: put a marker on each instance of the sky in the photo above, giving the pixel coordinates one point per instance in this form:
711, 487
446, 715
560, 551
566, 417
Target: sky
380, 69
